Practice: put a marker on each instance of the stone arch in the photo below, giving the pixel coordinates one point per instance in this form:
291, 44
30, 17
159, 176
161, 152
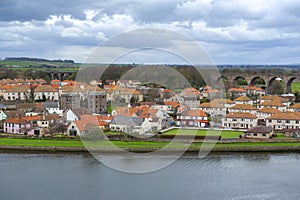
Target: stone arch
222, 78
55, 76
254, 79
235, 80
270, 82
289, 84
225, 81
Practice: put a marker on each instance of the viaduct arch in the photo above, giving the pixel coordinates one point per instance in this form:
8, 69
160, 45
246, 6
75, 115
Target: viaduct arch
251, 78
59, 75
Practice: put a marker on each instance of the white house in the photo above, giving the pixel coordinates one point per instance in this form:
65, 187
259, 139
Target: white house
70, 116
47, 92
125, 124
21, 92
281, 121
239, 120
52, 107
243, 100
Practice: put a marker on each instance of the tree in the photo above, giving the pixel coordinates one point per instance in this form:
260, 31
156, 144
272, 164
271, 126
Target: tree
25, 129
276, 87
133, 101
297, 96
57, 127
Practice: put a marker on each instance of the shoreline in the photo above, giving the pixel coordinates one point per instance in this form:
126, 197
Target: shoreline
55, 149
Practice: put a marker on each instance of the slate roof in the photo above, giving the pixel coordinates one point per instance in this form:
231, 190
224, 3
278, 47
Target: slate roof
50, 104
129, 121
259, 129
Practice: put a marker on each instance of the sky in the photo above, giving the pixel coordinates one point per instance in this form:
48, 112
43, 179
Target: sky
230, 31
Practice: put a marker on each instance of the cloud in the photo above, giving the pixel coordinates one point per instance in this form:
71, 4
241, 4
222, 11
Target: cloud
232, 31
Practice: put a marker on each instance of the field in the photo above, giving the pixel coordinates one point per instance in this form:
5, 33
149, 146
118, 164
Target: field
295, 87
224, 133
78, 143
123, 144
26, 65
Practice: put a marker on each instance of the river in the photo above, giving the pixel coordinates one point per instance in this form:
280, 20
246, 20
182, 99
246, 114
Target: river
218, 176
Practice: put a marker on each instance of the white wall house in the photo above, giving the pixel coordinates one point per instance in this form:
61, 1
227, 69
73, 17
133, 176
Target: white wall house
281, 121
239, 120
46, 91
70, 116
21, 92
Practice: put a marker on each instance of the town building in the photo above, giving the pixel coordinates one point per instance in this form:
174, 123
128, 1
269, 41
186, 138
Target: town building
239, 120
18, 92
281, 121
97, 102
259, 132
46, 93
192, 118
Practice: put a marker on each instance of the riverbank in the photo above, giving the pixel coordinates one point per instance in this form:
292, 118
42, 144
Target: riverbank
77, 146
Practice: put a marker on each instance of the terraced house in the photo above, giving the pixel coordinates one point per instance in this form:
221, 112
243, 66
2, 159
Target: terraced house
281, 121
46, 92
245, 108
17, 92
239, 120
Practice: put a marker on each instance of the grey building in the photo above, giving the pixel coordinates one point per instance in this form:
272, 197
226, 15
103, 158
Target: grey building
70, 101
97, 102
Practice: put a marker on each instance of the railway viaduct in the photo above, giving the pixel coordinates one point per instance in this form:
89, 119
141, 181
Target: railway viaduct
252, 77
59, 75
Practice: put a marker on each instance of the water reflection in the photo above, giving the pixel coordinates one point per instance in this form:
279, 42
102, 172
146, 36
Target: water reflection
218, 176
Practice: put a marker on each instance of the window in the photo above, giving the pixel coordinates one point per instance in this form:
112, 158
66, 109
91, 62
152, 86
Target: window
270, 121
287, 121
255, 134
264, 135
278, 121
297, 121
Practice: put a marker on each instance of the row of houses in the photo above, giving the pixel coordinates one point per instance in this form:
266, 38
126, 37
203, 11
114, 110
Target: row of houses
78, 105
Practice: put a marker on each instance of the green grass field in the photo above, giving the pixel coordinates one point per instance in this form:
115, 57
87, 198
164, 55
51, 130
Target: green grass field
24, 64
78, 143
295, 87
123, 144
224, 133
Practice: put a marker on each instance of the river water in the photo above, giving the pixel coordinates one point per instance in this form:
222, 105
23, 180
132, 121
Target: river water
80, 176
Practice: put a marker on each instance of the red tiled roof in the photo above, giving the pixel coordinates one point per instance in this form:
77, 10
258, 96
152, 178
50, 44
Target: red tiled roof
243, 107
45, 88
23, 120
240, 115
284, 116
242, 98
174, 104
237, 90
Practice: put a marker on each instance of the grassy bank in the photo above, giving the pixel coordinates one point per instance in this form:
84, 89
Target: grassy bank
131, 144
224, 133
78, 143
